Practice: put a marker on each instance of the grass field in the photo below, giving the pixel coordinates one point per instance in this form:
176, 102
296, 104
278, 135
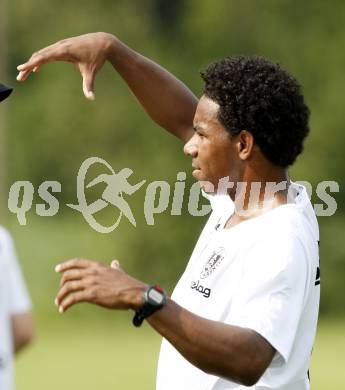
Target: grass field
72, 352
88, 355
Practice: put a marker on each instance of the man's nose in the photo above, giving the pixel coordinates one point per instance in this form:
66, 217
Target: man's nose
190, 148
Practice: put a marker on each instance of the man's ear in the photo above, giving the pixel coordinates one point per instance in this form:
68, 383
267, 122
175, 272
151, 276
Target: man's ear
245, 144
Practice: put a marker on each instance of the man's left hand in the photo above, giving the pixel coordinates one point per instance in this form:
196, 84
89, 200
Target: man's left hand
90, 281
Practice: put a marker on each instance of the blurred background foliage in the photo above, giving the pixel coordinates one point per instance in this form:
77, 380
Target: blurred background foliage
52, 128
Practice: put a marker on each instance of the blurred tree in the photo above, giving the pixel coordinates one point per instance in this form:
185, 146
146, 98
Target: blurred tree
167, 15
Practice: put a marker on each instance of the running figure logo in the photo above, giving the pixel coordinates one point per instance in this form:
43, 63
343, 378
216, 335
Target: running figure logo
117, 184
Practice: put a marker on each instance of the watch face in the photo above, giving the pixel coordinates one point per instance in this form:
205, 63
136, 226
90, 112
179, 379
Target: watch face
155, 296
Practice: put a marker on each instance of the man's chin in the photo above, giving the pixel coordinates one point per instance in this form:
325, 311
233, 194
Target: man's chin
207, 186
197, 174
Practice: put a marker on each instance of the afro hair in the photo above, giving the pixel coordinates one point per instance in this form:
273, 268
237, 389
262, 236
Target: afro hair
257, 95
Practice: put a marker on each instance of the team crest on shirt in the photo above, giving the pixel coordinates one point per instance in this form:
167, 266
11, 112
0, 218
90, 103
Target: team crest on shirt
213, 262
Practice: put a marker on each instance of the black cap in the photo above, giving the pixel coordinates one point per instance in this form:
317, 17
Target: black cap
4, 92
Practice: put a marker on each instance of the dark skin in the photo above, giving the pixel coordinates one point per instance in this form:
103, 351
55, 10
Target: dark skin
23, 330
237, 354
216, 155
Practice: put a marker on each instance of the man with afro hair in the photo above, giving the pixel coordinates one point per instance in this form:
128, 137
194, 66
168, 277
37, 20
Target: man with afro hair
244, 312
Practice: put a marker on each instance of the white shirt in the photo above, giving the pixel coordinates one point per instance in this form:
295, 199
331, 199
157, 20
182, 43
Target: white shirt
14, 300
261, 274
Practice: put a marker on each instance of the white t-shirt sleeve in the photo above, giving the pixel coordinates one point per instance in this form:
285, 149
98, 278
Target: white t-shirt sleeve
273, 290
19, 300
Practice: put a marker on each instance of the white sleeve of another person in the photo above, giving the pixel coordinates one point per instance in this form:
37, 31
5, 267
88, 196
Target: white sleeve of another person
19, 300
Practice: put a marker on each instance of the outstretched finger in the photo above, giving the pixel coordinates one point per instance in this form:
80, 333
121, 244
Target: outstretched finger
47, 54
88, 79
24, 72
23, 75
74, 274
68, 288
54, 52
81, 296
34, 64
75, 263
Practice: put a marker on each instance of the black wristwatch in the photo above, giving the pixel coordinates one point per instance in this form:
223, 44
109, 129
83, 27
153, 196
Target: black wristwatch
154, 299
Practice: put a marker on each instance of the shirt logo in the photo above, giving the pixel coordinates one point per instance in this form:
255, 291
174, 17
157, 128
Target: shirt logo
213, 262
205, 291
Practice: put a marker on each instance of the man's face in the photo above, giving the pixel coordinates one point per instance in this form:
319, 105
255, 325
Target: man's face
211, 148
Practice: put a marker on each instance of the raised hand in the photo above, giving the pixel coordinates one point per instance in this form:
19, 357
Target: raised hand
167, 101
87, 52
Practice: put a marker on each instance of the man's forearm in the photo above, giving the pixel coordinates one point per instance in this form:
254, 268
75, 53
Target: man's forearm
231, 352
165, 98
23, 330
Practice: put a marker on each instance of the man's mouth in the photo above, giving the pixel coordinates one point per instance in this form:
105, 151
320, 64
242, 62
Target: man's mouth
195, 168
196, 171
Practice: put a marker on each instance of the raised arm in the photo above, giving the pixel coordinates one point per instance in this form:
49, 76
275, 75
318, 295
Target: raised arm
166, 99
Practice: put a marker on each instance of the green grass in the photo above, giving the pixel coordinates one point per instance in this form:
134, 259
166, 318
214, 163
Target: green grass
328, 360
72, 352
